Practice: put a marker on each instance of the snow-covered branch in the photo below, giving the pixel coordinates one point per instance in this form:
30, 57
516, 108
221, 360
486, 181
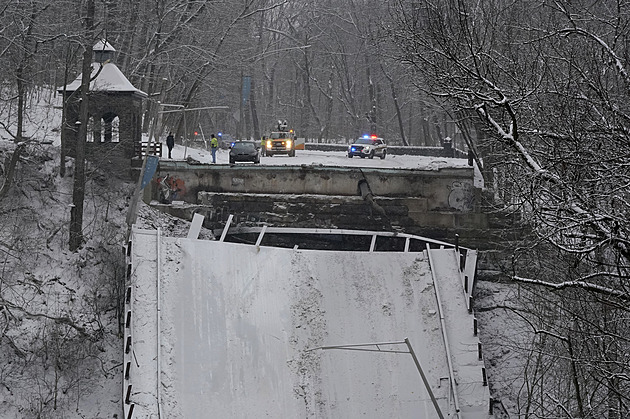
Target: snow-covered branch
576, 284
618, 62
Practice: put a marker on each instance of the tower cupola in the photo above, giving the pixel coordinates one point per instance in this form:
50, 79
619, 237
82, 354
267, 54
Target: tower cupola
103, 52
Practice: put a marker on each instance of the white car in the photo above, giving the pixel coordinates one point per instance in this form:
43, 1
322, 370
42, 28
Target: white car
368, 146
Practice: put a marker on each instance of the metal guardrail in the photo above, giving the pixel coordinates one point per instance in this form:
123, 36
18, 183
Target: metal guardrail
128, 406
130, 362
229, 229
447, 346
430, 151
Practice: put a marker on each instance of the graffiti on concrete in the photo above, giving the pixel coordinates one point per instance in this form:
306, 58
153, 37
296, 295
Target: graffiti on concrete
461, 196
170, 188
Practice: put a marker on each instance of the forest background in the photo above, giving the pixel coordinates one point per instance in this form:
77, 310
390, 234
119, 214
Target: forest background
537, 90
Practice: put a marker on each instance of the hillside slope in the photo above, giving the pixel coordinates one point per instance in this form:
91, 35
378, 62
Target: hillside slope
60, 347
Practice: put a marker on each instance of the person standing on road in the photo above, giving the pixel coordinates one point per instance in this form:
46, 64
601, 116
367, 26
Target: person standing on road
170, 143
214, 144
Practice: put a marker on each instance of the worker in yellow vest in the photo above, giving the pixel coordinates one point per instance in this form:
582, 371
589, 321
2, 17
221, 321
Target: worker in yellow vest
214, 144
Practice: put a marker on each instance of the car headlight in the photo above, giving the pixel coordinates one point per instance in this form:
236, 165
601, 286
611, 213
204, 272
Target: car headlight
288, 143
268, 144
366, 149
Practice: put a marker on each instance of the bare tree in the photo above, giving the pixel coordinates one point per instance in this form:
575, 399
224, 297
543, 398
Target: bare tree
549, 89
78, 192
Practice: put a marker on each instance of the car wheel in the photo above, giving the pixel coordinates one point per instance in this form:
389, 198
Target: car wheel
292, 153
269, 154
384, 154
231, 161
371, 156
349, 155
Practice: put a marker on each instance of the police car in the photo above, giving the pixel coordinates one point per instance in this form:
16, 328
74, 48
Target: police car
368, 146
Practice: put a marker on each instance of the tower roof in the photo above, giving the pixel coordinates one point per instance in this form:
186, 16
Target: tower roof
103, 45
109, 78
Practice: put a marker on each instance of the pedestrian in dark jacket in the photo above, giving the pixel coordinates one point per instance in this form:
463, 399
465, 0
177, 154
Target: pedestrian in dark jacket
170, 143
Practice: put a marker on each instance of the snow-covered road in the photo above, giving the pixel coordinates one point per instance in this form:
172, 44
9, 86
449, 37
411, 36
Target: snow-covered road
326, 158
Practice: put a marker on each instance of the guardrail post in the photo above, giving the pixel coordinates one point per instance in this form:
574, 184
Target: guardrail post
127, 370
128, 396
130, 414
128, 345
484, 376
475, 327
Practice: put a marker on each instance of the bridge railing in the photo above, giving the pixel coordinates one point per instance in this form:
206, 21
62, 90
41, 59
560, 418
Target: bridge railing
128, 405
140, 149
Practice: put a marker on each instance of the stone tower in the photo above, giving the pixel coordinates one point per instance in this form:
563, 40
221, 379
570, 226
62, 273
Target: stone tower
115, 114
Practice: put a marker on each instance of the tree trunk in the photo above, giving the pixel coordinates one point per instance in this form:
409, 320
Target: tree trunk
64, 113
20, 107
10, 169
329, 108
78, 192
252, 107
401, 126
371, 115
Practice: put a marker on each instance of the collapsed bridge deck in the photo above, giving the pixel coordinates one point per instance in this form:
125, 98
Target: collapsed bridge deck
221, 330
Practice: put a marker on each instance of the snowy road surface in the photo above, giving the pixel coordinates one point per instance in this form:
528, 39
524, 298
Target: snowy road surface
326, 158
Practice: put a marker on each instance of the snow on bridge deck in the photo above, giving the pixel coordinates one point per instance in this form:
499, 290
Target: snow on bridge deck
237, 321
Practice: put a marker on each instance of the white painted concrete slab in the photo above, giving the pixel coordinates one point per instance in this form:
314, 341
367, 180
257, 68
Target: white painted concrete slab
237, 320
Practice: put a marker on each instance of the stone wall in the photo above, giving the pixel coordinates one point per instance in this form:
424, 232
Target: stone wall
447, 189
434, 203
